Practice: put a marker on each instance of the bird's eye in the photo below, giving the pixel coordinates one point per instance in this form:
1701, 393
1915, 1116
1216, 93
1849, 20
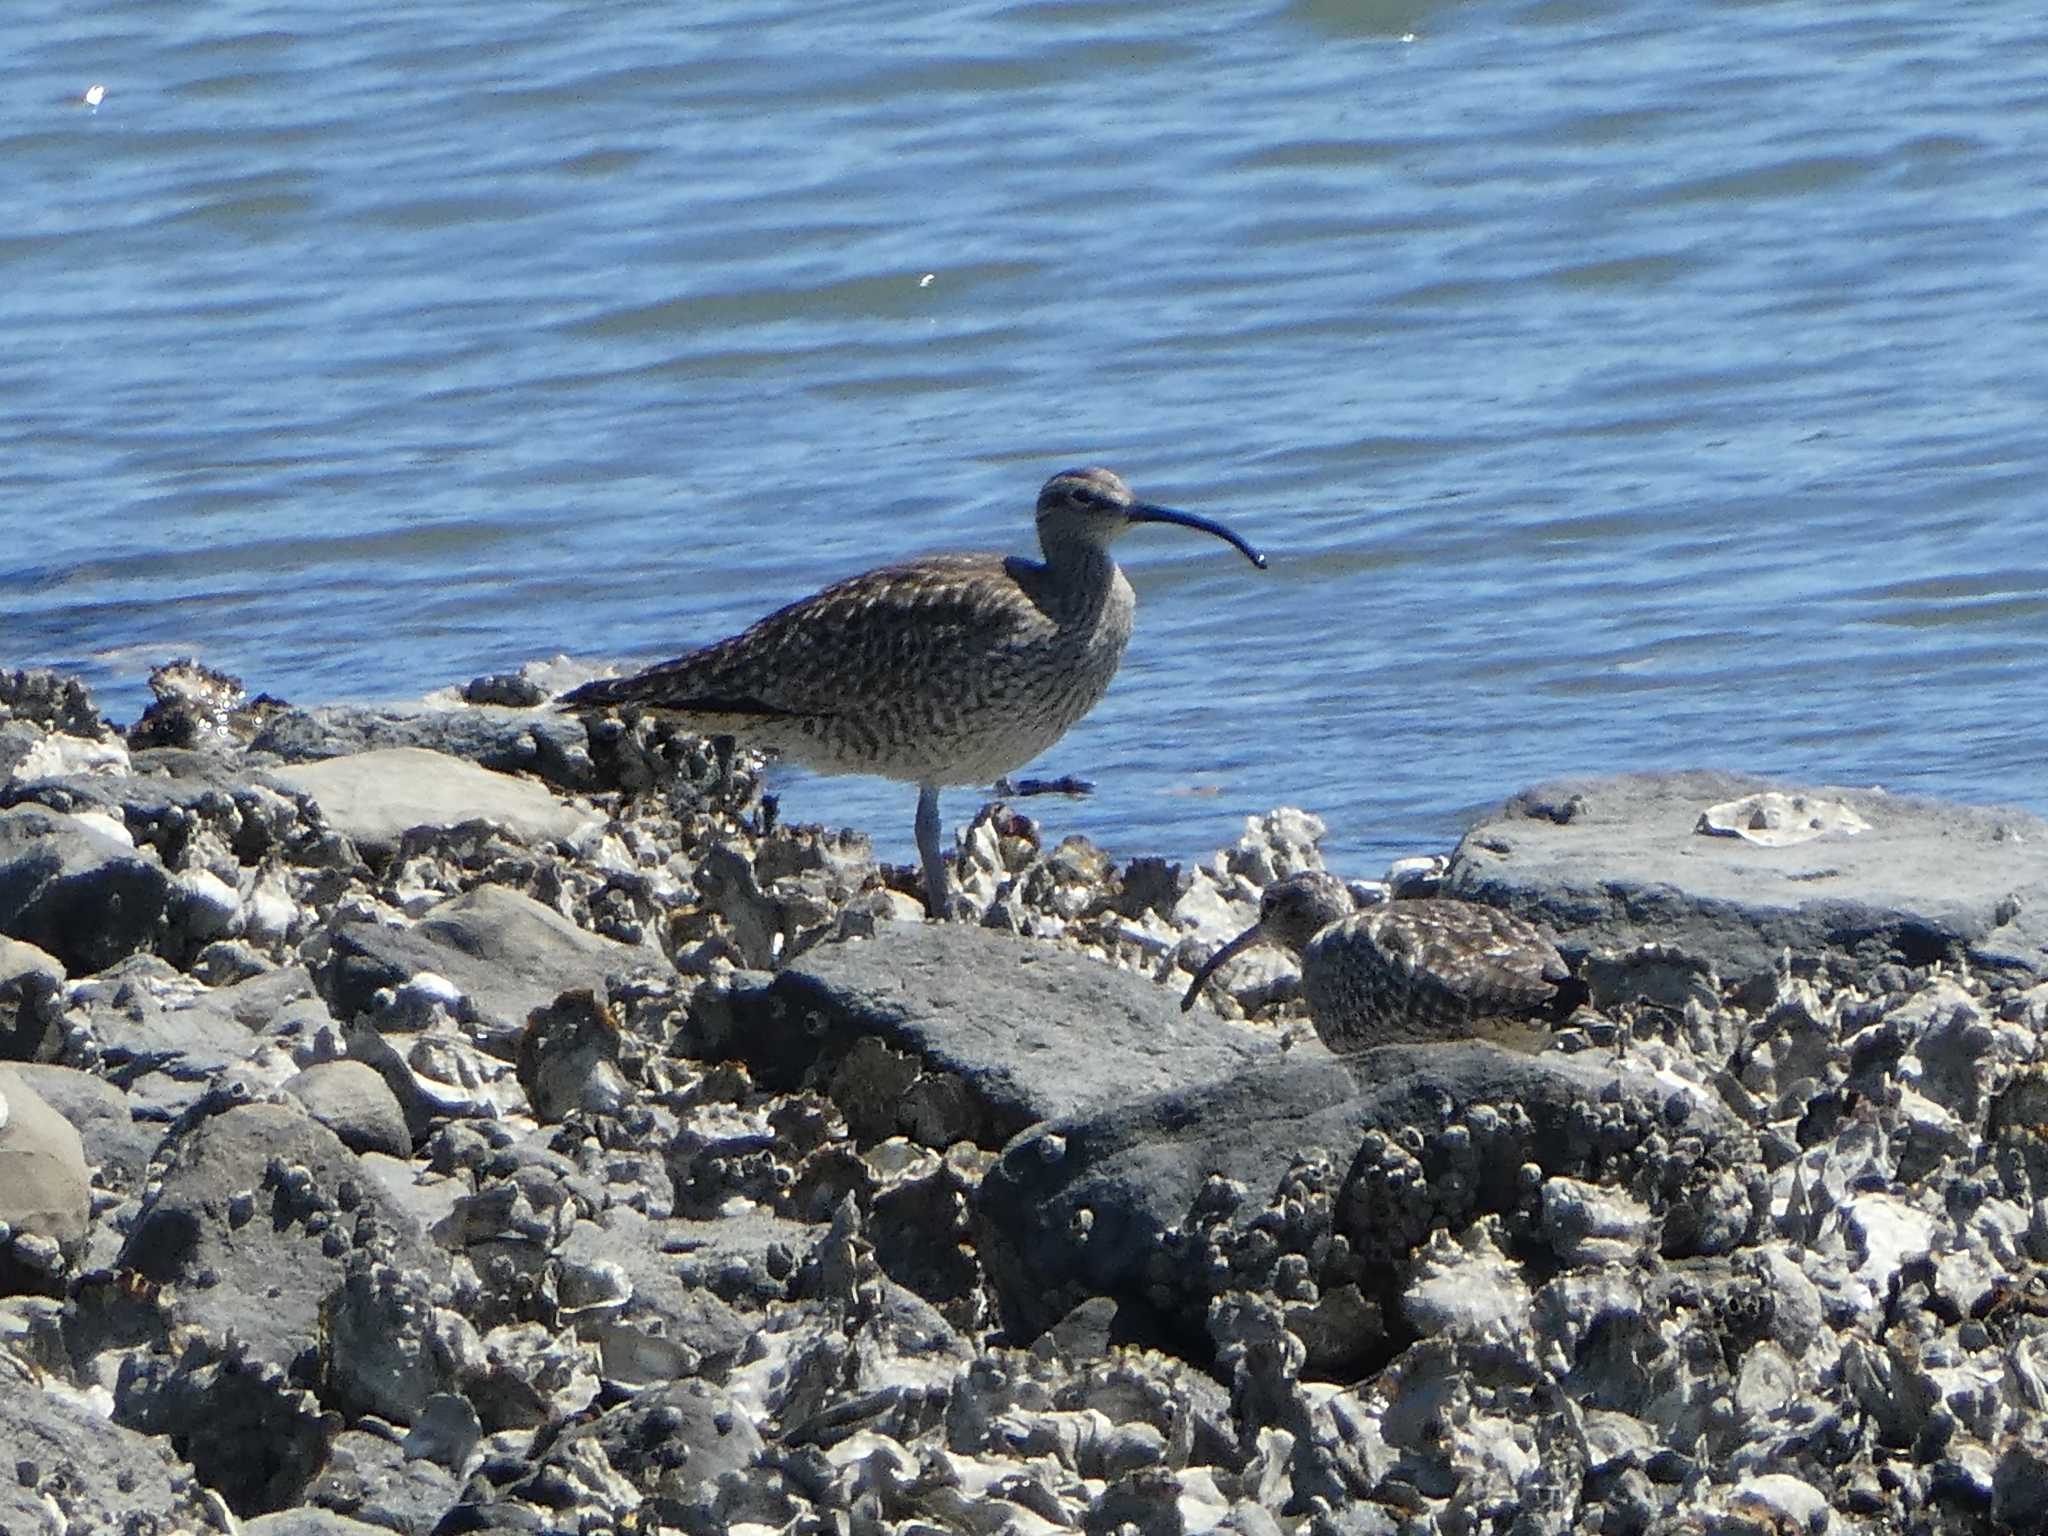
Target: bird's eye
1081, 496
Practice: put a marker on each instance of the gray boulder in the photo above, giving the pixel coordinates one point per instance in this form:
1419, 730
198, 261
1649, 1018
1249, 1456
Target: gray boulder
166, 1039
942, 1033
253, 1224
1613, 863
352, 1100
45, 1186
1331, 1169
505, 953
85, 897
113, 1140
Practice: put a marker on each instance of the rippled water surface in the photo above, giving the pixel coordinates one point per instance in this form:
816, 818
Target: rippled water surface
1613, 385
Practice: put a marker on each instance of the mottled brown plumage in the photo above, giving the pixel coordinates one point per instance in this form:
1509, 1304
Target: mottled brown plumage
951, 669
1431, 968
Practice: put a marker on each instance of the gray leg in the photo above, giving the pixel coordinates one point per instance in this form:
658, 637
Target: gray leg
928, 849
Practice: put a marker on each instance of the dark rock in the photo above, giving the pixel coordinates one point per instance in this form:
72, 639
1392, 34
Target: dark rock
1610, 864
191, 708
942, 1032
50, 700
166, 1039
549, 746
254, 1222
513, 690
31, 981
1165, 1202
193, 809
746, 1258
85, 897
250, 1433
678, 1440
103, 1477
1079, 1207
567, 1058
673, 1323
370, 1485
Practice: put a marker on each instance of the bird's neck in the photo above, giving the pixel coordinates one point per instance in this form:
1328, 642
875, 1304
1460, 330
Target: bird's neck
1083, 573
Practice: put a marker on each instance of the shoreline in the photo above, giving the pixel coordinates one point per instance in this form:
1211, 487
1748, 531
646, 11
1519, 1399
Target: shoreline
422, 1112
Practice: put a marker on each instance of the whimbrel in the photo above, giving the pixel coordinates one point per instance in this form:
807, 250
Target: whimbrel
1431, 968
946, 670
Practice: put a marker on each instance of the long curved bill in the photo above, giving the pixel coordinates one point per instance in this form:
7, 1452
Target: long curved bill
1215, 962
1146, 512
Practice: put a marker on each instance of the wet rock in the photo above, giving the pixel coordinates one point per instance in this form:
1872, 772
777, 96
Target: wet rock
78, 891
943, 1032
374, 798
1612, 863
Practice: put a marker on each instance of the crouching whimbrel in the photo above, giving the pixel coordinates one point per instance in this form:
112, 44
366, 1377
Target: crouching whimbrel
1431, 968
951, 669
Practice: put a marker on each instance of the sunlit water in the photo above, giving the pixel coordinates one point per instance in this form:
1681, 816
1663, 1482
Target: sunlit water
1612, 385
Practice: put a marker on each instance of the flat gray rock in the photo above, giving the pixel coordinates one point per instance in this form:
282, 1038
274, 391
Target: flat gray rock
84, 897
1612, 863
309, 1520
1147, 1201
376, 797
505, 953
941, 1032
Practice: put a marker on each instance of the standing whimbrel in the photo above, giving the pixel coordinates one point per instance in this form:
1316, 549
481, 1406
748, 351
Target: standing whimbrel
1431, 968
951, 669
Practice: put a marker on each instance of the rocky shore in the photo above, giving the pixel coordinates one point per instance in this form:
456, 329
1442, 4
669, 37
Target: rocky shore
457, 1120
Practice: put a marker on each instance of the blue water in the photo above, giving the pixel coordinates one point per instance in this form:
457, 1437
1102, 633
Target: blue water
1612, 385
